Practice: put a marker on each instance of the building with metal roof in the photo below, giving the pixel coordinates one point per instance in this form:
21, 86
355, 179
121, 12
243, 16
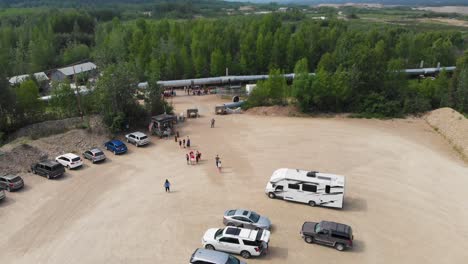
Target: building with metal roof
40, 76
69, 72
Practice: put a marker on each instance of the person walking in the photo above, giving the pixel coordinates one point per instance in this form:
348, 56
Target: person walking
197, 155
180, 143
183, 142
217, 159
188, 158
175, 138
188, 142
219, 166
212, 122
167, 186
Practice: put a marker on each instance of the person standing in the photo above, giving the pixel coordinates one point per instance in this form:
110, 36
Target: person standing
188, 158
180, 143
212, 122
188, 142
167, 186
217, 160
183, 142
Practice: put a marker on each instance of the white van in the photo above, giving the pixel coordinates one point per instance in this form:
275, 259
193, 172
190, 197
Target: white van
310, 187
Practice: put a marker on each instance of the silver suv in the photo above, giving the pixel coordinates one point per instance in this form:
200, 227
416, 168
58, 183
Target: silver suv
94, 155
246, 218
137, 138
206, 256
11, 182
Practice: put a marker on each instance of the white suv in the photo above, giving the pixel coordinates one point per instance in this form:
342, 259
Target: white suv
243, 241
69, 160
137, 138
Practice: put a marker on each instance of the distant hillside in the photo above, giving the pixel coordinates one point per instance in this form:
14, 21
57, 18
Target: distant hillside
87, 3
386, 2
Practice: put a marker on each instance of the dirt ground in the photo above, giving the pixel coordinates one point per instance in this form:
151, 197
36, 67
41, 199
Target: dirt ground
405, 194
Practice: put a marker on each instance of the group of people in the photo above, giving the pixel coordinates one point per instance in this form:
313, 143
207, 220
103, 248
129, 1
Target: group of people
182, 143
193, 157
195, 91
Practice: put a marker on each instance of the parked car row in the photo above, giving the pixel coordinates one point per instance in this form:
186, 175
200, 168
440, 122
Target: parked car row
55, 168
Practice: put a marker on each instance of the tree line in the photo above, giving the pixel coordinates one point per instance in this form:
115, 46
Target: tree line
356, 71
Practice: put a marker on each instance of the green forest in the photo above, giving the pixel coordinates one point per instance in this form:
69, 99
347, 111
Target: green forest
357, 70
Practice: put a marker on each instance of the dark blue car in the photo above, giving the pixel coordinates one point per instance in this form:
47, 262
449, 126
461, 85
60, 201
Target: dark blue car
116, 146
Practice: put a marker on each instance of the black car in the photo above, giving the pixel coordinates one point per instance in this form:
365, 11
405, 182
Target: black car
48, 168
11, 182
339, 236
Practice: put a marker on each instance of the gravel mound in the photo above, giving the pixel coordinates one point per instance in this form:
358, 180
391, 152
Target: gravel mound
452, 125
17, 156
275, 111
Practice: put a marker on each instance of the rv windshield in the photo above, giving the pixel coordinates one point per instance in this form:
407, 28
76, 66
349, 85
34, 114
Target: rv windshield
317, 228
254, 217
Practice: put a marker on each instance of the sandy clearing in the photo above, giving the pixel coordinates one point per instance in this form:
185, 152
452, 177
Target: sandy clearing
405, 194
446, 9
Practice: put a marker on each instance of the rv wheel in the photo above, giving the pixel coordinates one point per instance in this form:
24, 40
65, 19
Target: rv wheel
271, 195
312, 203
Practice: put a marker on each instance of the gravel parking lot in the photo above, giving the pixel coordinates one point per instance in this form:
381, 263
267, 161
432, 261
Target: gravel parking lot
405, 194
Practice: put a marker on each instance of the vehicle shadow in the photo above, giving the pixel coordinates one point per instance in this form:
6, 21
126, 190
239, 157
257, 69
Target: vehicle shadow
7, 201
24, 189
358, 246
354, 204
65, 176
275, 253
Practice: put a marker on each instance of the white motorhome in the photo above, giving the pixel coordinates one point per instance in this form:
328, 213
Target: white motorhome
311, 187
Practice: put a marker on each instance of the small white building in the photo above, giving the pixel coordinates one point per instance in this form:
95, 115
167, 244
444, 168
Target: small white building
69, 72
249, 88
40, 76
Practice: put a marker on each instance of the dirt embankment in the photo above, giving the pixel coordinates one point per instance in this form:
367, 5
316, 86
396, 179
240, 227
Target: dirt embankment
275, 111
453, 126
17, 156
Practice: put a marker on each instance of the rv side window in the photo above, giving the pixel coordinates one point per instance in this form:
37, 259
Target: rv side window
293, 186
309, 188
327, 189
